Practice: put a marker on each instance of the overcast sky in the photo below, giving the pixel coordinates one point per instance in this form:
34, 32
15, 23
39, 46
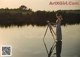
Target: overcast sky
38, 4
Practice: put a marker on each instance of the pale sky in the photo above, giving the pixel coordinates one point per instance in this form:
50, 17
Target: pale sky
38, 4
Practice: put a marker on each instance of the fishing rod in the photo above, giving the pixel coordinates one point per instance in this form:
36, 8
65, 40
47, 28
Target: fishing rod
54, 43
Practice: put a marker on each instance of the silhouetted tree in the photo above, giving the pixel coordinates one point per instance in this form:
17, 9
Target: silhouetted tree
23, 7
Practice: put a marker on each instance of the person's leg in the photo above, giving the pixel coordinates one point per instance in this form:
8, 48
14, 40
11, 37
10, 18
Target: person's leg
58, 48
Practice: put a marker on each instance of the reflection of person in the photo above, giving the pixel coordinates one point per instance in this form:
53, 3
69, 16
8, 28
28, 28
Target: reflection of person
58, 35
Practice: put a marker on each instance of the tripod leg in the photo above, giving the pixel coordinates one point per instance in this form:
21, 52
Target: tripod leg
44, 41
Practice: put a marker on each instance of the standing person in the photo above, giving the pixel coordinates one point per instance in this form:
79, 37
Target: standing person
58, 35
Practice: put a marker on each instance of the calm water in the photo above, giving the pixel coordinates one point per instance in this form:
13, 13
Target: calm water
27, 41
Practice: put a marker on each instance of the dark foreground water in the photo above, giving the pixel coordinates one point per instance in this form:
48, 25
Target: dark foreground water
27, 41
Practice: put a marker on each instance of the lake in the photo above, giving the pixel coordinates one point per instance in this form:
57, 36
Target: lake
27, 41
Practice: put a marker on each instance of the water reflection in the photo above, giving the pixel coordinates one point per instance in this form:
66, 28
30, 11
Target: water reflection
27, 41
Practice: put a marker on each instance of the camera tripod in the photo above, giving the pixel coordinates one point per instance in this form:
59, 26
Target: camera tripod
49, 52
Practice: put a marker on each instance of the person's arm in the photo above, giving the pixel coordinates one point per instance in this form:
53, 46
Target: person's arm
54, 24
51, 23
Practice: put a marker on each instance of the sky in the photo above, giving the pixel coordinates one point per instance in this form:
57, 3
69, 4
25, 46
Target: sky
38, 4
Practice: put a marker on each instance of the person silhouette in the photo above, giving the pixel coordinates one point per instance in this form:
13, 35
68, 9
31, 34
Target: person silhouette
58, 35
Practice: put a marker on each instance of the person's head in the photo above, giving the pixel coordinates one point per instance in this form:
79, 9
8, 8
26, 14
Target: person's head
58, 16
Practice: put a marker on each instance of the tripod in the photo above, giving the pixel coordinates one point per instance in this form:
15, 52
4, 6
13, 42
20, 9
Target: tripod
49, 53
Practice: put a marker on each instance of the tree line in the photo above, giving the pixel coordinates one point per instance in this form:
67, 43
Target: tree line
26, 16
